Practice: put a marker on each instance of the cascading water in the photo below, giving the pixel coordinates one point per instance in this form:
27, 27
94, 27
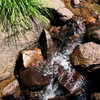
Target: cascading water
63, 60
64, 79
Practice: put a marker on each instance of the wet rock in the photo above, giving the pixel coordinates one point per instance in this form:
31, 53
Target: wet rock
46, 44
31, 95
24, 95
86, 54
34, 77
10, 88
95, 96
93, 34
32, 57
72, 82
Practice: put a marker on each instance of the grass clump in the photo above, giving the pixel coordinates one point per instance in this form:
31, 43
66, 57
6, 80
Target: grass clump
16, 15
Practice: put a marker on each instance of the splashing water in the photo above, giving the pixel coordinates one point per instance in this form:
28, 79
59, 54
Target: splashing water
64, 60
50, 91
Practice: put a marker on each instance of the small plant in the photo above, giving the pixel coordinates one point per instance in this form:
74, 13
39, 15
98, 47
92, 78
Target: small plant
16, 15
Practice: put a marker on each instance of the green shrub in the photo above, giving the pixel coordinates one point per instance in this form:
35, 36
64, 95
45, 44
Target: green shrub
15, 14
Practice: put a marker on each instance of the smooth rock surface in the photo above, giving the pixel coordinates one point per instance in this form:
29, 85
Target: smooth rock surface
65, 12
34, 77
32, 57
55, 4
86, 54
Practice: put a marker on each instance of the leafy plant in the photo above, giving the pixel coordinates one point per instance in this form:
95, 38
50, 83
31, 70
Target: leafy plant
16, 15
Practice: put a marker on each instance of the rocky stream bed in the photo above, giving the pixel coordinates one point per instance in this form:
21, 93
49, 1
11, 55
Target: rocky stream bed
59, 61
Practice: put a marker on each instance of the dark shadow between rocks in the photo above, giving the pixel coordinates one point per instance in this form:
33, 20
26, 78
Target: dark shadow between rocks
47, 45
19, 66
43, 44
54, 17
95, 81
9, 98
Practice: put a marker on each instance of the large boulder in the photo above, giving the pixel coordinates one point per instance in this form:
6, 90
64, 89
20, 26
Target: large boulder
93, 34
11, 46
73, 82
33, 77
86, 54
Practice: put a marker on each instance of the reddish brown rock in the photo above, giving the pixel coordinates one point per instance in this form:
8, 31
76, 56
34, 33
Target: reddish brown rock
86, 54
34, 77
72, 82
32, 57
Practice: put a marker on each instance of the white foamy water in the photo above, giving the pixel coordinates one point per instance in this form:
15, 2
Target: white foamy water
50, 91
63, 60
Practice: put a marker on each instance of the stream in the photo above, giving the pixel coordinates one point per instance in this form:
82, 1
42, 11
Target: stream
63, 60
65, 82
